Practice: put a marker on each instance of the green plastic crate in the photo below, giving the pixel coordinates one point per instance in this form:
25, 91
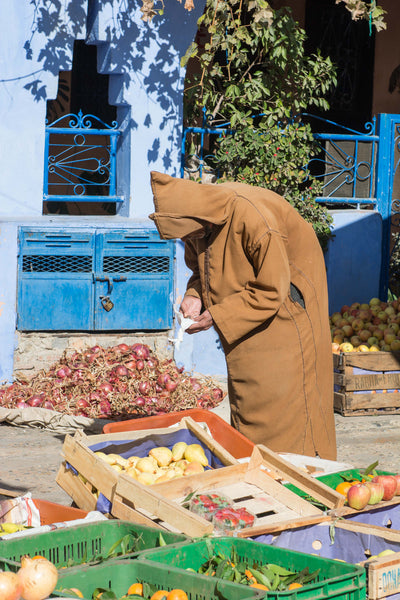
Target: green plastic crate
332, 480
82, 543
335, 580
119, 575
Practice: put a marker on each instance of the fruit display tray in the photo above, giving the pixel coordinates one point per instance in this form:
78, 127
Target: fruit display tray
119, 575
333, 479
254, 485
83, 475
86, 543
335, 579
366, 383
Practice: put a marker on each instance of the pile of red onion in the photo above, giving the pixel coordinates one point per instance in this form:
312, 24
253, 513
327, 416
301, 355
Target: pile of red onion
119, 382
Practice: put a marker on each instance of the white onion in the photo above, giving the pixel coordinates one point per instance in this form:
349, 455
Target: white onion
10, 586
38, 578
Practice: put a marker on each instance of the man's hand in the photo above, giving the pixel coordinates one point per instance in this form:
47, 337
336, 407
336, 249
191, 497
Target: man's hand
190, 307
203, 322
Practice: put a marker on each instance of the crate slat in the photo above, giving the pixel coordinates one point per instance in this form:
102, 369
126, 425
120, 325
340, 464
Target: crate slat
381, 373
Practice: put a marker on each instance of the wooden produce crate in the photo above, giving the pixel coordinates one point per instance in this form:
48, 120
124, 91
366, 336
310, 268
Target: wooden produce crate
90, 474
247, 484
367, 383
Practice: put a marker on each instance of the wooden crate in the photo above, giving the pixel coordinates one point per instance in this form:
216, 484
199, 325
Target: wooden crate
92, 473
367, 383
383, 574
247, 484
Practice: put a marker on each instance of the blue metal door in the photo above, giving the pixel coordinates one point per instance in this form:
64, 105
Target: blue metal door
55, 289
133, 280
84, 280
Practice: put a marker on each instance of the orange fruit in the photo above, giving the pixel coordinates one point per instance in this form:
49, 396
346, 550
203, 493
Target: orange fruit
294, 586
159, 595
250, 576
259, 586
38, 556
177, 594
343, 487
136, 588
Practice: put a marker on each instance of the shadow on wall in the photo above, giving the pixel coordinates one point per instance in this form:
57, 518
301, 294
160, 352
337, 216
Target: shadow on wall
353, 258
143, 54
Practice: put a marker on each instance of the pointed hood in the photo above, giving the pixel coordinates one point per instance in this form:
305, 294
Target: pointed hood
183, 206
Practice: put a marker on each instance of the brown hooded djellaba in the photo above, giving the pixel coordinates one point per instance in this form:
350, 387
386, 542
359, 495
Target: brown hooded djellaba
261, 274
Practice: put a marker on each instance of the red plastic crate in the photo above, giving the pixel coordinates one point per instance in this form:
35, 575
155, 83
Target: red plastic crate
234, 442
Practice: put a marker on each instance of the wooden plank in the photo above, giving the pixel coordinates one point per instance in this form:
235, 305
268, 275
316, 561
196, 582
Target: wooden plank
391, 535
141, 496
372, 361
297, 477
100, 474
373, 401
386, 381
284, 525
76, 489
339, 379
123, 511
344, 511
384, 576
9, 493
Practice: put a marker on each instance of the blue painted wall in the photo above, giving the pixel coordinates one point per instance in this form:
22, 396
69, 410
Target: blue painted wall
146, 84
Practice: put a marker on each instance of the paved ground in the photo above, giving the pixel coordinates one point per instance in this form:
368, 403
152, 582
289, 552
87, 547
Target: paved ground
30, 458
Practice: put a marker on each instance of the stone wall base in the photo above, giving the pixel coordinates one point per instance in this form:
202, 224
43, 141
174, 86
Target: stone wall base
39, 351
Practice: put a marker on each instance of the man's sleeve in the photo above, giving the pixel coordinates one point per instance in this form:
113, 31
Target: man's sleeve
193, 287
240, 313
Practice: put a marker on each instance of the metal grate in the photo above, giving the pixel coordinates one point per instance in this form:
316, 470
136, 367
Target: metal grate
56, 264
136, 264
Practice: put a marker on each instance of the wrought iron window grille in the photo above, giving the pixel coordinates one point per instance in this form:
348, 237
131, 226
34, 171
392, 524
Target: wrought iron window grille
80, 160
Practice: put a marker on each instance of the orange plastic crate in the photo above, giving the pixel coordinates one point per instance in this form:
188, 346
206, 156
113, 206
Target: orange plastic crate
234, 442
50, 512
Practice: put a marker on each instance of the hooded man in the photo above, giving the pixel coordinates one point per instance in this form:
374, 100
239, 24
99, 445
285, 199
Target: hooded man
259, 278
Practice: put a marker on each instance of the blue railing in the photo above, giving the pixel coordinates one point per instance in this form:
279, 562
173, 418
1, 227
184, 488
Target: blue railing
80, 160
345, 163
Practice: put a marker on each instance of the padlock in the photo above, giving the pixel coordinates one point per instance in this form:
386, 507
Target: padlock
106, 303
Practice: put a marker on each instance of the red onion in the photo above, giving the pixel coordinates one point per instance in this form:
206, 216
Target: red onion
35, 401
21, 404
106, 387
81, 403
152, 363
105, 407
123, 347
131, 364
121, 371
171, 386
144, 387
139, 365
139, 401
64, 371
95, 349
158, 388
141, 351
163, 378
94, 397
217, 394
195, 383
48, 404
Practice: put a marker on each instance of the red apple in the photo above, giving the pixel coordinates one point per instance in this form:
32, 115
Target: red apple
359, 495
348, 330
357, 324
355, 340
345, 309
397, 478
389, 485
365, 315
377, 491
364, 334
